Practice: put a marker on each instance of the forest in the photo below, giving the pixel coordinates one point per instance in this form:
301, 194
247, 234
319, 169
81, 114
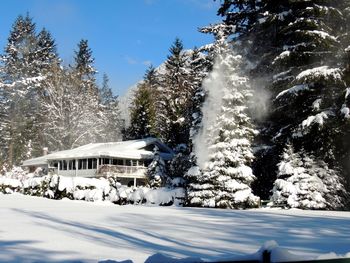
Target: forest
262, 113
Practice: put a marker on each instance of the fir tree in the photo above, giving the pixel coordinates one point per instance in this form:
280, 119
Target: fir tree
226, 177
173, 123
110, 114
307, 183
156, 171
142, 109
21, 81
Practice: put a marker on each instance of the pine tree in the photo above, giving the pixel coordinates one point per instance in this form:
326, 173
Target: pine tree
173, 123
198, 70
242, 14
307, 183
156, 171
296, 50
21, 80
112, 121
105, 93
226, 176
92, 117
142, 109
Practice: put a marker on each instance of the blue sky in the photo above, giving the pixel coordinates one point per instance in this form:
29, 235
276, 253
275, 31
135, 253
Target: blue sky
124, 35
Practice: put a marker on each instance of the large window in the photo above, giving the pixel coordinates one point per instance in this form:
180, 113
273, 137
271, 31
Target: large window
82, 164
63, 165
91, 163
103, 161
71, 164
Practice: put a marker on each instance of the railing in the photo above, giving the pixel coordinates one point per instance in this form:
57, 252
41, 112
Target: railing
122, 170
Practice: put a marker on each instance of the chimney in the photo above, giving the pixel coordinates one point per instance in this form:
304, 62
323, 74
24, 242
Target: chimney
45, 151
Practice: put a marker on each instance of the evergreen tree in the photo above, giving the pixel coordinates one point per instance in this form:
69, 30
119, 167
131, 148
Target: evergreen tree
198, 70
226, 176
110, 113
242, 14
142, 109
105, 92
173, 123
83, 73
21, 80
156, 171
297, 50
304, 182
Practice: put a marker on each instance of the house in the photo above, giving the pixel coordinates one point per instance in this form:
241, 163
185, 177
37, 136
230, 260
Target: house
126, 160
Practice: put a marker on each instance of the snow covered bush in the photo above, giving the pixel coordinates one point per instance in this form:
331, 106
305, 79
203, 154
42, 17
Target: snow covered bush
9, 185
143, 195
79, 188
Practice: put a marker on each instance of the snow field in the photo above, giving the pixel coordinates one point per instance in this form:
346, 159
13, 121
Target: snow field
40, 229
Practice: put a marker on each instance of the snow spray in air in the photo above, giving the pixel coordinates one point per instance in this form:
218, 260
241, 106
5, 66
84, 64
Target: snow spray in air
214, 86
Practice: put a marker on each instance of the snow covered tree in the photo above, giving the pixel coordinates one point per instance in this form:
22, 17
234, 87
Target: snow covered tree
156, 171
142, 108
113, 123
307, 183
22, 77
297, 50
242, 14
105, 92
173, 120
91, 117
226, 175
198, 70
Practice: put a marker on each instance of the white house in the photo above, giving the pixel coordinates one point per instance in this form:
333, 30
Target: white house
127, 160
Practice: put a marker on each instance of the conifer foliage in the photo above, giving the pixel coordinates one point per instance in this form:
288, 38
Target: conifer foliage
142, 110
226, 176
296, 51
304, 182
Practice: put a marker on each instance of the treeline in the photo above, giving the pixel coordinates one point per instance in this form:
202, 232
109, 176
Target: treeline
44, 103
281, 128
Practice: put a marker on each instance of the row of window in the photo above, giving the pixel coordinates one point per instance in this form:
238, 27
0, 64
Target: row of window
91, 163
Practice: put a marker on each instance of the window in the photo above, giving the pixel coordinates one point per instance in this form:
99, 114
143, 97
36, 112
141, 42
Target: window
133, 162
64, 165
120, 162
141, 163
94, 163
89, 161
82, 165
71, 165
128, 163
114, 161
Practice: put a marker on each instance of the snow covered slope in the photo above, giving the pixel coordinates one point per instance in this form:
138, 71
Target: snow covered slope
38, 229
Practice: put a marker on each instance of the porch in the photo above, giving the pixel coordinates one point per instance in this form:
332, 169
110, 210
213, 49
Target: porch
126, 171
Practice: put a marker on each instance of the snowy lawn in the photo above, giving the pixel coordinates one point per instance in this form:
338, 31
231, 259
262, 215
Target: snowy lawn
38, 229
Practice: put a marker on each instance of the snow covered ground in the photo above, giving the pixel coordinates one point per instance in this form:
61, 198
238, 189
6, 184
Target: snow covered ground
38, 229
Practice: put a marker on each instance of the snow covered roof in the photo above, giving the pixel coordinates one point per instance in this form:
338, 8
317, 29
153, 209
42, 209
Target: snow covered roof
134, 149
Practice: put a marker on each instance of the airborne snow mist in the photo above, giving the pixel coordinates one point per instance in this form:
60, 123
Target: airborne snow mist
214, 86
